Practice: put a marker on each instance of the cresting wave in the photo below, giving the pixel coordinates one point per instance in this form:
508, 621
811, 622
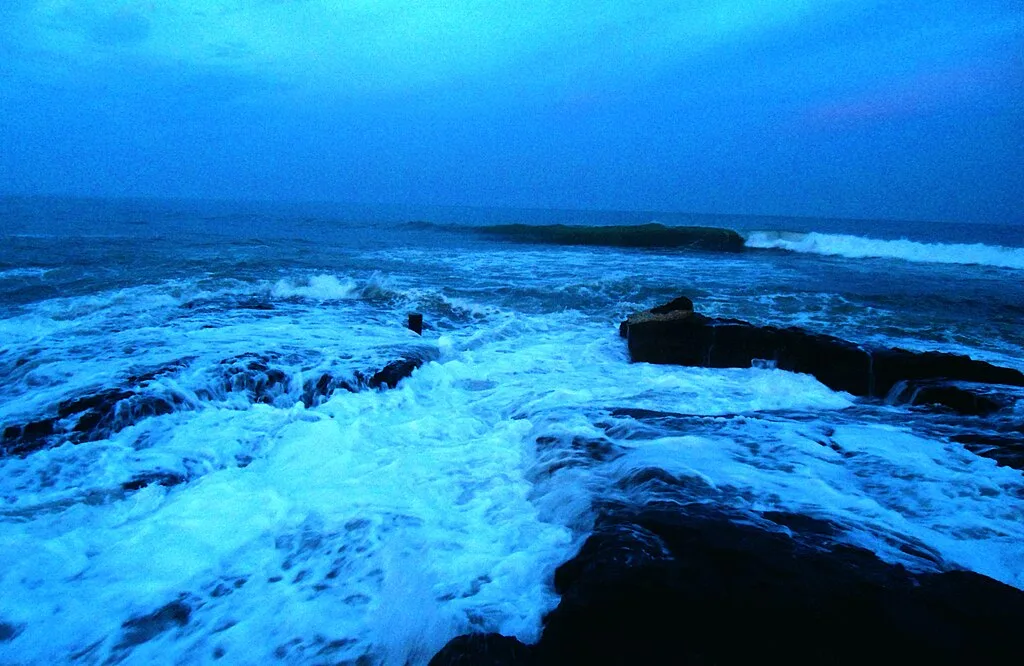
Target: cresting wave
858, 247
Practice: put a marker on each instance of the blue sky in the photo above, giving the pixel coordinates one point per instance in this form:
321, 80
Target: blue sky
781, 107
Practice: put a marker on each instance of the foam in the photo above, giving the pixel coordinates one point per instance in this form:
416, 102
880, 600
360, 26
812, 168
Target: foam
18, 273
317, 288
380, 524
859, 247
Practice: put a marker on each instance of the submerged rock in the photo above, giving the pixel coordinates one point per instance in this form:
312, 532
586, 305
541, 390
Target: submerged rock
97, 415
637, 236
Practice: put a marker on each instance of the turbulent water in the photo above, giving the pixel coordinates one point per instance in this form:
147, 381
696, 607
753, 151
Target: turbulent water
234, 504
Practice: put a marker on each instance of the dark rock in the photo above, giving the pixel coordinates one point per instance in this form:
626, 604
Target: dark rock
315, 393
960, 397
9, 631
94, 411
483, 650
1005, 447
172, 368
637, 236
98, 415
20, 440
683, 338
394, 372
681, 304
802, 524
166, 479
416, 323
698, 585
138, 630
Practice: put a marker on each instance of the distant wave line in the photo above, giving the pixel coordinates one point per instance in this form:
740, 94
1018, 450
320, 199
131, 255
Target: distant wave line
859, 247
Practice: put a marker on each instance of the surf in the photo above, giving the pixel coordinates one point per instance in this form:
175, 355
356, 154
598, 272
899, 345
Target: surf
861, 247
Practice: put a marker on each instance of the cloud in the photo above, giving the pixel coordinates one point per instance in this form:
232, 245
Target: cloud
361, 47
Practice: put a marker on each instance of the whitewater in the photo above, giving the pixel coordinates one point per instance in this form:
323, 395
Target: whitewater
858, 247
239, 507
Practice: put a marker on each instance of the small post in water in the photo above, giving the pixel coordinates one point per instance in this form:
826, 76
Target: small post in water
416, 323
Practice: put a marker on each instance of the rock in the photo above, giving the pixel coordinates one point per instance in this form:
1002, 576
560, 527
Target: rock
681, 338
694, 584
165, 479
95, 416
1005, 447
9, 631
678, 308
638, 236
961, 397
483, 650
139, 630
394, 372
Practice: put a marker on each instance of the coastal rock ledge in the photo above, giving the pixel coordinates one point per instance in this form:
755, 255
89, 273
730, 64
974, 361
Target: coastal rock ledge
675, 334
696, 584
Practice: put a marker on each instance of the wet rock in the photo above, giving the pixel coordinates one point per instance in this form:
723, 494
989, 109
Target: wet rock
166, 479
9, 631
316, 392
20, 440
692, 339
139, 630
1005, 447
695, 584
394, 372
483, 650
94, 411
962, 398
98, 415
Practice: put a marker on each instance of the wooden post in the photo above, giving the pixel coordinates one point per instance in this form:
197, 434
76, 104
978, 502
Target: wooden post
416, 323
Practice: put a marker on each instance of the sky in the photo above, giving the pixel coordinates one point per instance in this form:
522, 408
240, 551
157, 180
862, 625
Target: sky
831, 108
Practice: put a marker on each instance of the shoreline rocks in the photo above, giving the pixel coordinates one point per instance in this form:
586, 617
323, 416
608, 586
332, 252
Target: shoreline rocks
696, 584
675, 334
100, 414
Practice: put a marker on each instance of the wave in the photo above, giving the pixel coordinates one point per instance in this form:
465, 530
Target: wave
317, 288
860, 247
30, 272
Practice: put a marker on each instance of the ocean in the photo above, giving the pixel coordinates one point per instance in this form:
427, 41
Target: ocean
234, 504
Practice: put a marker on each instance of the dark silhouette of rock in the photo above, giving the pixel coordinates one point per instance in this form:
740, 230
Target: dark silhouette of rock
684, 338
962, 398
98, 415
694, 584
138, 630
166, 479
1006, 447
483, 650
394, 372
9, 631
651, 235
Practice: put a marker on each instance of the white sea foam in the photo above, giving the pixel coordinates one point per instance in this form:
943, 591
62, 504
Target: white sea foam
383, 523
15, 273
859, 247
317, 288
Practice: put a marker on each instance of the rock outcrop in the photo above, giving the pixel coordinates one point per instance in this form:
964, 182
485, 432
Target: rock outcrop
675, 334
652, 235
696, 584
260, 379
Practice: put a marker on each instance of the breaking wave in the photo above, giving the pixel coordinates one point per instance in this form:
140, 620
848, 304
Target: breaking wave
859, 247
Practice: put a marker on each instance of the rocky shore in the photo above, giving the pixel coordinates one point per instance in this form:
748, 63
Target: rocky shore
688, 582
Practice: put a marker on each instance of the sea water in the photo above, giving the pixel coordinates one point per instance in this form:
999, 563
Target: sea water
245, 522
